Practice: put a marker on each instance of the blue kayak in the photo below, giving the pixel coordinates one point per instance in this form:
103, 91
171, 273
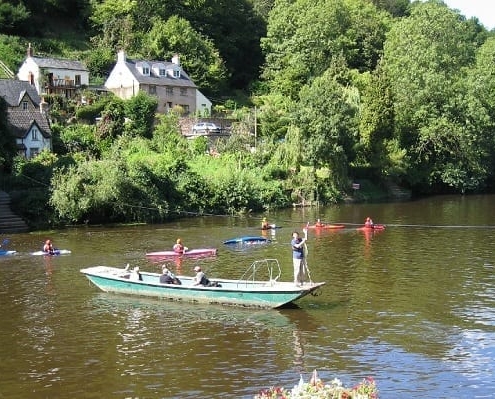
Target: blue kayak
5, 252
247, 240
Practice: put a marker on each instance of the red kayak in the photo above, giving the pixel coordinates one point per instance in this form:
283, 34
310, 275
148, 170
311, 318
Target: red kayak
189, 252
371, 228
325, 226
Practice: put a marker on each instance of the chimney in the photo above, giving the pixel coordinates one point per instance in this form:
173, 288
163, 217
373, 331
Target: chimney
121, 56
175, 59
29, 50
43, 106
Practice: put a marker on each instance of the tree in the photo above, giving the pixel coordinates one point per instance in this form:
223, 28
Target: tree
425, 59
198, 56
141, 110
8, 146
12, 17
299, 51
327, 118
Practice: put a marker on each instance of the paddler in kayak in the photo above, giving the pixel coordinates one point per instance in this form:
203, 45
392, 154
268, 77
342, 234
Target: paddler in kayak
48, 247
179, 247
265, 225
369, 223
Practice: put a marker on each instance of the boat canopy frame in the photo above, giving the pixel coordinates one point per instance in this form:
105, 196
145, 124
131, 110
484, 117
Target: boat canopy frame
268, 266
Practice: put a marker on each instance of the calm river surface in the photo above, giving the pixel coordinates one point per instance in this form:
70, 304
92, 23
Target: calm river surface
412, 306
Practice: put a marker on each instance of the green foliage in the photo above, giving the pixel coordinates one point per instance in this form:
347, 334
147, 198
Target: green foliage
304, 49
140, 109
12, 17
80, 138
12, 52
198, 54
426, 59
327, 119
8, 148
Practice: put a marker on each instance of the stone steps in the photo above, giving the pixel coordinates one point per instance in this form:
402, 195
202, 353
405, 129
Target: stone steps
9, 221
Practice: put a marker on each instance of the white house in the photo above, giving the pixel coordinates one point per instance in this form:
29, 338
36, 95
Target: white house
165, 80
27, 117
203, 105
53, 75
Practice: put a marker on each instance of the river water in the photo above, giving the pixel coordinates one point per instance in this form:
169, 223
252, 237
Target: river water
411, 306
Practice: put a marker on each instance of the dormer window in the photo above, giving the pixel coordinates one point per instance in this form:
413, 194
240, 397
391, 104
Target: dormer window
144, 68
174, 72
162, 72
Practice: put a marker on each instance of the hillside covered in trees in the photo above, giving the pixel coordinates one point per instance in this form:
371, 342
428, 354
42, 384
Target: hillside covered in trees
334, 91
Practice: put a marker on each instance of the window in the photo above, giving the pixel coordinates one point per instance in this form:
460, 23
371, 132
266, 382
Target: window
183, 91
77, 79
169, 91
176, 73
34, 134
152, 89
185, 108
24, 105
162, 72
146, 70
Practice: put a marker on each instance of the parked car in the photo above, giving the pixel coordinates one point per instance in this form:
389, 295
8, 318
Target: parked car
205, 127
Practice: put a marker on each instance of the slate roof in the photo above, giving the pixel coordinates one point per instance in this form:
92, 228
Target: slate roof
153, 79
58, 63
21, 121
13, 91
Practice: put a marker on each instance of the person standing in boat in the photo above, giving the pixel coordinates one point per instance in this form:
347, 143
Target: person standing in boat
48, 247
179, 247
298, 258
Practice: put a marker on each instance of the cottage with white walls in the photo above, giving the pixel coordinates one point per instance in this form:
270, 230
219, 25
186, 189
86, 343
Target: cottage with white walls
165, 80
27, 117
53, 75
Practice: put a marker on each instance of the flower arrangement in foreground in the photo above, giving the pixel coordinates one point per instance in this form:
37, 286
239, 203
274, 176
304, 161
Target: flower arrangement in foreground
315, 389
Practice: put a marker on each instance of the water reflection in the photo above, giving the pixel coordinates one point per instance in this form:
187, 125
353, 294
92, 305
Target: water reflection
411, 306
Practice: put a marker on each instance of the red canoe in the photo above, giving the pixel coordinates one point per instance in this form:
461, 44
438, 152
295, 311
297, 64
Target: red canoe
325, 226
189, 252
375, 227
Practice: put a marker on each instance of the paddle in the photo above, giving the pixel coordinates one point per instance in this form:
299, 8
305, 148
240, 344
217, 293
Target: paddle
305, 259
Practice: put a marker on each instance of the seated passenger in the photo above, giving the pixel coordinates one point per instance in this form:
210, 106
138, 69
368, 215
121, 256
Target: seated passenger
136, 275
201, 279
168, 277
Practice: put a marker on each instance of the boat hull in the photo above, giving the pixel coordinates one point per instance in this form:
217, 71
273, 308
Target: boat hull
4, 252
190, 252
325, 226
247, 240
260, 294
375, 227
55, 253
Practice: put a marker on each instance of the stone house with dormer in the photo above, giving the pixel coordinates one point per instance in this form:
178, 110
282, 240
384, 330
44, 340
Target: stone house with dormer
54, 75
165, 80
27, 117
